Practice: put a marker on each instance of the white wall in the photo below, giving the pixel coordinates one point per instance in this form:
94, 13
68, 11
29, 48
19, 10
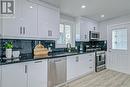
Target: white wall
103, 29
118, 20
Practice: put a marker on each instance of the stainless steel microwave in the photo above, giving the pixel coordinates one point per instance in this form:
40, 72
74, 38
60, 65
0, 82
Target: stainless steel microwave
93, 35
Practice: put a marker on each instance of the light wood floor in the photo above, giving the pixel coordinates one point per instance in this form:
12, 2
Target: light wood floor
106, 78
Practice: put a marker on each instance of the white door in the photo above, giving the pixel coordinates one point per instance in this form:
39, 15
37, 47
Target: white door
37, 73
12, 26
117, 55
13, 75
29, 16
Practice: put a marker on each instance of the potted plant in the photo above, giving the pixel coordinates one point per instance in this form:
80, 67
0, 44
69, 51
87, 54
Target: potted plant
8, 46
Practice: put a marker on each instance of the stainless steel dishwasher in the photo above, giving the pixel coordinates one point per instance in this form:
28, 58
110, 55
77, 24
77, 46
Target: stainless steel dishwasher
56, 71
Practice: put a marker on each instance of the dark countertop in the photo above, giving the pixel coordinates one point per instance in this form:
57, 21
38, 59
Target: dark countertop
33, 58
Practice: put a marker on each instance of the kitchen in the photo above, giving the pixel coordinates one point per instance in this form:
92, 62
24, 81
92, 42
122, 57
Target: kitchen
52, 43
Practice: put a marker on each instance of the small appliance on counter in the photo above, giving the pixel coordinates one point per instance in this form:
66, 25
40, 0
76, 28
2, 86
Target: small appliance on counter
16, 54
40, 50
69, 47
94, 36
100, 61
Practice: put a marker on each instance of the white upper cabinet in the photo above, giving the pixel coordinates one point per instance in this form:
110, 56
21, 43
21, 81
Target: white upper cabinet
83, 26
0, 27
29, 19
12, 25
32, 20
48, 23
24, 21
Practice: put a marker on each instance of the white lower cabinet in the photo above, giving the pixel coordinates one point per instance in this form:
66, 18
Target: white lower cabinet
72, 70
80, 65
37, 73
30, 74
13, 75
0, 75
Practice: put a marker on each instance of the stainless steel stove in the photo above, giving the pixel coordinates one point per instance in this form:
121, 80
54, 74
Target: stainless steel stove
100, 61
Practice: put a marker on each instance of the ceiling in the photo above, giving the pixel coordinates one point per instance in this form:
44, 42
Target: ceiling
94, 8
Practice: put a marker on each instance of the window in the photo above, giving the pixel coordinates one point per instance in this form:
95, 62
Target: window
65, 34
119, 39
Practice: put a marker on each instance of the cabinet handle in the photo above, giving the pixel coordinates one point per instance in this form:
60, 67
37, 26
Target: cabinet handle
90, 60
23, 30
77, 58
38, 62
20, 30
49, 33
26, 67
90, 67
85, 36
90, 55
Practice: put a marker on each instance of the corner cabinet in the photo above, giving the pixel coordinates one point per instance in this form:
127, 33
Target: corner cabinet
83, 26
48, 23
80, 65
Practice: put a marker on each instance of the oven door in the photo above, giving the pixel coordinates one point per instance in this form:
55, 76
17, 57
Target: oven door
100, 59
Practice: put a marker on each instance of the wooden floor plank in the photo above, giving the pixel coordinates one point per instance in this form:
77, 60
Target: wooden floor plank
106, 78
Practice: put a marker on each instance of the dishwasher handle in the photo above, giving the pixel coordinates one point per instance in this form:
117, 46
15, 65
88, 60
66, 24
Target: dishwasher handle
59, 60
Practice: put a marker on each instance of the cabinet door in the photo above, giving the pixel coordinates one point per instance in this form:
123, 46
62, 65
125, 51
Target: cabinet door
48, 23
29, 16
42, 22
13, 75
83, 64
0, 26
84, 33
37, 74
72, 67
92, 26
12, 25
54, 23
0, 75
86, 63
91, 62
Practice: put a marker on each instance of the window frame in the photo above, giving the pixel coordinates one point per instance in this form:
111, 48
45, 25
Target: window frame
72, 24
112, 39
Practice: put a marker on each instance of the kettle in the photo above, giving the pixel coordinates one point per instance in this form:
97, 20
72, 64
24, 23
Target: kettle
69, 47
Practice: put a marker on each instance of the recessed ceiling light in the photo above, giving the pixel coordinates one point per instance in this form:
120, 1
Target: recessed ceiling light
102, 16
83, 6
31, 6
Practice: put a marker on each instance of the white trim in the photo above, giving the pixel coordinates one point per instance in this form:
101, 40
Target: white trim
117, 24
72, 24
